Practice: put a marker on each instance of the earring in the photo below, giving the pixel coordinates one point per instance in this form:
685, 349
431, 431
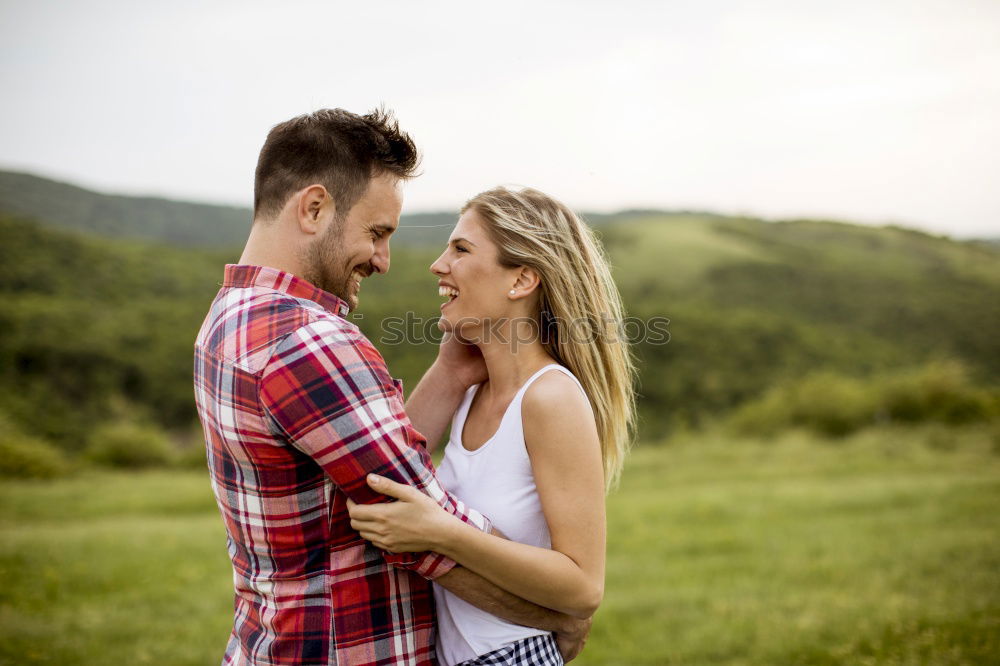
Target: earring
512, 292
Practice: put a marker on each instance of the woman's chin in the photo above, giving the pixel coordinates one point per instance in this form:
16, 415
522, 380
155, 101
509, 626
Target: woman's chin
460, 324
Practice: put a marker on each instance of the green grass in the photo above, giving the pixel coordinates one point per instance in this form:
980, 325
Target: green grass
878, 549
113, 568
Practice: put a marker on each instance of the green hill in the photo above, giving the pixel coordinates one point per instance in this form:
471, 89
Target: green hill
94, 328
179, 223
183, 223
752, 303
70, 207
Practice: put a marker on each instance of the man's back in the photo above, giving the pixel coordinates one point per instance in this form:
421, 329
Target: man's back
297, 408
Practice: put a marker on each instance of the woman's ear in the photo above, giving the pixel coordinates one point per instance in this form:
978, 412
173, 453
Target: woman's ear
527, 281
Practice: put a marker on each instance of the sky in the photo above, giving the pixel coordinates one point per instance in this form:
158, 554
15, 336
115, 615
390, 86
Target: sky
872, 112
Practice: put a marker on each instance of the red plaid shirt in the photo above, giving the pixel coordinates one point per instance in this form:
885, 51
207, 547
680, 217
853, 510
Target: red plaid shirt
297, 408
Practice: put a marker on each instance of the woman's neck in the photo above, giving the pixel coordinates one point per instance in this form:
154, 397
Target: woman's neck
510, 364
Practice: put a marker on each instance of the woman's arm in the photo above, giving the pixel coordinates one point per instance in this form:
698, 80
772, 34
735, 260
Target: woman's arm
562, 442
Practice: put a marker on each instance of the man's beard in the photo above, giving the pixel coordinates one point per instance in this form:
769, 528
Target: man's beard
326, 266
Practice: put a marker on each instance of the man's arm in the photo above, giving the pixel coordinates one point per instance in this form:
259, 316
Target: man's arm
433, 403
328, 392
571, 633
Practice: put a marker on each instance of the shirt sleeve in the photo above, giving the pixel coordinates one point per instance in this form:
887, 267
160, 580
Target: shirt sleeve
331, 395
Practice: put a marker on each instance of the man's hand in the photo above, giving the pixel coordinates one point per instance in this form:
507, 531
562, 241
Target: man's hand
571, 640
570, 632
463, 360
432, 404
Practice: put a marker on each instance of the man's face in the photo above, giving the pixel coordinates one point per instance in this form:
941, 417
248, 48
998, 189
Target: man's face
354, 247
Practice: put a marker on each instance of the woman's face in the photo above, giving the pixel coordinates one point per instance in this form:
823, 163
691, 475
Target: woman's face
472, 281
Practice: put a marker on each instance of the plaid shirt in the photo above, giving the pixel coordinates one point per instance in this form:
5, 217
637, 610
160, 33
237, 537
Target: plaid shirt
297, 408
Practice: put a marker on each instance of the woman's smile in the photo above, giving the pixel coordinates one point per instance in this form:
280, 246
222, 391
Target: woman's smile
450, 292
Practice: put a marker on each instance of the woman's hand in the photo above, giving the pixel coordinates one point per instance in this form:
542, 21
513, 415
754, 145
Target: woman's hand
412, 524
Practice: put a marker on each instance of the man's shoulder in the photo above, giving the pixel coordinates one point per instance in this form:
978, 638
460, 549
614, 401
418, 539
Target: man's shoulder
340, 343
246, 326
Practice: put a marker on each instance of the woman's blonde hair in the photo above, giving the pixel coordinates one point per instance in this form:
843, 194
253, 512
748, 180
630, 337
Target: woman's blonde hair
581, 313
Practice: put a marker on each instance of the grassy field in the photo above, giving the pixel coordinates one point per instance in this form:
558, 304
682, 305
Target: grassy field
880, 549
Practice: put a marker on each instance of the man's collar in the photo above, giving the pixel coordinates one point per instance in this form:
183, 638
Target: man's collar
242, 276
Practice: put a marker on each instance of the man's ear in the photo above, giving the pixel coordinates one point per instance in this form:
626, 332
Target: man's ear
313, 204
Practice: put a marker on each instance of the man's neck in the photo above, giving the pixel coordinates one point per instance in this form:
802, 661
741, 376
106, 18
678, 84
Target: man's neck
265, 248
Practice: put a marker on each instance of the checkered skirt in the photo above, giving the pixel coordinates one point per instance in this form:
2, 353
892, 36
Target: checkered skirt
533, 651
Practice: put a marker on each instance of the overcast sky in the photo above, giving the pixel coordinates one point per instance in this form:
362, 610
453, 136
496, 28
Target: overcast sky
868, 111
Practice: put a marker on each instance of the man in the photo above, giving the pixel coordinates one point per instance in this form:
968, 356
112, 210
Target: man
298, 408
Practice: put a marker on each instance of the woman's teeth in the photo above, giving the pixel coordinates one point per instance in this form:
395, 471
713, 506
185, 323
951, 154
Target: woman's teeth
452, 294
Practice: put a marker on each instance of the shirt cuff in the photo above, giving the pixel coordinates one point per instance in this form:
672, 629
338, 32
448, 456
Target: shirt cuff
426, 565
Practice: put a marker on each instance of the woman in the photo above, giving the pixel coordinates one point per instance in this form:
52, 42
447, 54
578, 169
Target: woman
536, 445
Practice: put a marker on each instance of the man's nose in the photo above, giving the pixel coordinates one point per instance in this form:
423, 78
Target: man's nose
380, 260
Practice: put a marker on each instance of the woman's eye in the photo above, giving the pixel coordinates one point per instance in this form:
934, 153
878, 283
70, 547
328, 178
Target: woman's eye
459, 248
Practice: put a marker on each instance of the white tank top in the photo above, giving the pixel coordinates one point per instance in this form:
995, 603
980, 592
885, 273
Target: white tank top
496, 480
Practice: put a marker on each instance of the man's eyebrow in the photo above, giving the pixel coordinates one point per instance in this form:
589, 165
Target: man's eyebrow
461, 240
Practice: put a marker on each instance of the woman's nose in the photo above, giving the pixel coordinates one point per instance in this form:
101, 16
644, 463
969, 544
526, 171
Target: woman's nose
439, 267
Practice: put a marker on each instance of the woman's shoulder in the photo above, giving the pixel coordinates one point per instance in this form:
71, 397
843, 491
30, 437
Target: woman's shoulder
557, 417
554, 382
555, 392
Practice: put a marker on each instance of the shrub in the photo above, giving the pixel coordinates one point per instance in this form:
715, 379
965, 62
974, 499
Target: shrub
836, 405
191, 457
827, 403
831, 404
938, 391
130, 445
25, 457
764, 416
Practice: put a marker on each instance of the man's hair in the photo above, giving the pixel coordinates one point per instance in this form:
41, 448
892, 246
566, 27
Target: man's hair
337, 149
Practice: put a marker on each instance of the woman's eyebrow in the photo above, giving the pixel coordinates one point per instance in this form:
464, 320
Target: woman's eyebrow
460, 240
